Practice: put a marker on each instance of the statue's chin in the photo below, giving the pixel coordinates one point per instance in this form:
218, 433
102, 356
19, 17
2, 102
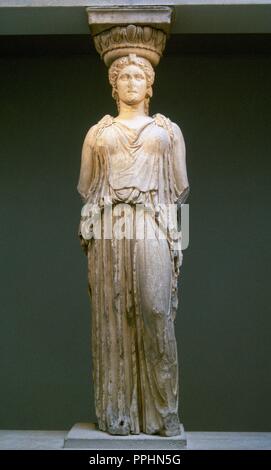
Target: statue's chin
132, 101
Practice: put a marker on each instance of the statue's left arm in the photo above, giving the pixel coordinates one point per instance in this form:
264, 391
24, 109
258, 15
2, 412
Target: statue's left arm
86, 169
179, 165
86, 172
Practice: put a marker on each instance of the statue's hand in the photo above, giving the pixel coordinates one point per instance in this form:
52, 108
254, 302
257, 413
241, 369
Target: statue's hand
84, 244
85, 231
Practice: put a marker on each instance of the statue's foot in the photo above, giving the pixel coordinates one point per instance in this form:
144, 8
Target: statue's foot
171, 426
119, 429
170, 432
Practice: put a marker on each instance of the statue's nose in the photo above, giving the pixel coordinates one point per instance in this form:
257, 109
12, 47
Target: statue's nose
131, 81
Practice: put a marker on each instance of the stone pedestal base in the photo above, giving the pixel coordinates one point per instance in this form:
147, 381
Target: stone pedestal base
87, 436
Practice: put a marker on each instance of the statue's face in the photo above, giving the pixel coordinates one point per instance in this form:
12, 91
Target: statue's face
132, 85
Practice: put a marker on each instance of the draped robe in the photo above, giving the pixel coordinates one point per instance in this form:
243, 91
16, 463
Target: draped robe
133, 281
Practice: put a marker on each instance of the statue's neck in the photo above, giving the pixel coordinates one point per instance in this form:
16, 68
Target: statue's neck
131, 112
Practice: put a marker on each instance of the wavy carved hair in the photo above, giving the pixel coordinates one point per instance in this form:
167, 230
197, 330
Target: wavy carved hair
122, 62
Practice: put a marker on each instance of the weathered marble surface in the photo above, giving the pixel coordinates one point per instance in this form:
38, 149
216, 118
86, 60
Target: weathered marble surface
131, 161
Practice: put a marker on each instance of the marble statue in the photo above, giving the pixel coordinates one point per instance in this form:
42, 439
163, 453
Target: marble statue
133, 160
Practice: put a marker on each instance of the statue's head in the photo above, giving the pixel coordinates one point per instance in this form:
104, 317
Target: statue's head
132, 78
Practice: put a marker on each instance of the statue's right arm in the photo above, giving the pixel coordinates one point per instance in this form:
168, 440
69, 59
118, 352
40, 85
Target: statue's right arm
86, 169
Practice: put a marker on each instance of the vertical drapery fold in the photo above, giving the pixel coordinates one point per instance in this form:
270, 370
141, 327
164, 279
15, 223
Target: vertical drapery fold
133, 282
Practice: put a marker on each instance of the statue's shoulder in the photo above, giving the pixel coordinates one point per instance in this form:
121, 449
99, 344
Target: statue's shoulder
97, 128
161, 119
173, 128
164, 122
104, 122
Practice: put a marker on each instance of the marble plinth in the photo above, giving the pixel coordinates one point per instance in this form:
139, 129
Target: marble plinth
87, 436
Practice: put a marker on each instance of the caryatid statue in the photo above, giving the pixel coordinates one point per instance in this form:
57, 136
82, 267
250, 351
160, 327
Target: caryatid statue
133, 167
